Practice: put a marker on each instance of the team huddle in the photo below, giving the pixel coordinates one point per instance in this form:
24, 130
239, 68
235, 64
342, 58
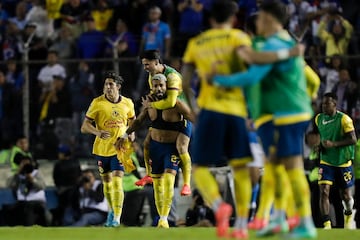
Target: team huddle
261, 79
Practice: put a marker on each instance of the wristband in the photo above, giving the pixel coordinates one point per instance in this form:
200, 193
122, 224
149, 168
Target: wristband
283, 54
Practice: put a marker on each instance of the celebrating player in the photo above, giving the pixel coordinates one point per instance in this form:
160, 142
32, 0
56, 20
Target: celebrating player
108, 117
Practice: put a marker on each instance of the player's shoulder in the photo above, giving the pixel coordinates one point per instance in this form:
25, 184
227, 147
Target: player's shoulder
99, 99
126, 100
344, 117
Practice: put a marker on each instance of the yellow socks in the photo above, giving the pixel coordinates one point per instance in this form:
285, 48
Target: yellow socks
267, 192
206, 184
291, 210
282, 187
118, 197
186, 167
242, 193
158, 184
108, 193
169, 180
301, 191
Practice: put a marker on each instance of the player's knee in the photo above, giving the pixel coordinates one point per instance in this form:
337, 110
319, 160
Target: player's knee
324, 192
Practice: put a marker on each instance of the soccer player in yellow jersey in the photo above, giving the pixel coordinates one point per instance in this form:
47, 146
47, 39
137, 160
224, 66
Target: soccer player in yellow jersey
221, 130
166, 126
152, 64
108, 117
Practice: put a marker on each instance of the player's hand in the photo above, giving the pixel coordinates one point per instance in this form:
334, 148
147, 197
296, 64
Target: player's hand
328, 144
104, 134
119, 143
214, 71
145, 101
298, 50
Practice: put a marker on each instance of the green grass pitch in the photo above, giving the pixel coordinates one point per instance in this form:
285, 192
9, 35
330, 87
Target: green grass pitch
143, 233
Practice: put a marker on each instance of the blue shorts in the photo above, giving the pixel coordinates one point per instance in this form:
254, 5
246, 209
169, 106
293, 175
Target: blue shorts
286, 140
108, 164
342, 176
163, 156
218, 138
187, 129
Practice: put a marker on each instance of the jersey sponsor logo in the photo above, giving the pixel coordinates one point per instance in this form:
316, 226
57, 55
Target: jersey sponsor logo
327, 122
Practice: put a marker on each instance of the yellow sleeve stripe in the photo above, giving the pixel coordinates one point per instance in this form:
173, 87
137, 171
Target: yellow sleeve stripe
347, 124
291, 119
262, 120
347, 164
325, 182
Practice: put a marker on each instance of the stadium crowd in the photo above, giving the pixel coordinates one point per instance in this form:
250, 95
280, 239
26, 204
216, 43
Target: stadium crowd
71, 43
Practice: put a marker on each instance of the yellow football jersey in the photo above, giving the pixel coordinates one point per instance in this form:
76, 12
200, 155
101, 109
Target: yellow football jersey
112, 117
216, 47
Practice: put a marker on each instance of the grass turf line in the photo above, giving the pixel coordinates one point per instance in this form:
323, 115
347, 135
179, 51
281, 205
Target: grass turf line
146, 233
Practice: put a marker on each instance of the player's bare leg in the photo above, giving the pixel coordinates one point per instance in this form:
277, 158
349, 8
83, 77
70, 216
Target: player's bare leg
147, 178
182, 145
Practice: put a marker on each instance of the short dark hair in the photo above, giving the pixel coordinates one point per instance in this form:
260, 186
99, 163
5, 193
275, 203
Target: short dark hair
275, 8
222, 10
116, 77
152, 54
331, 95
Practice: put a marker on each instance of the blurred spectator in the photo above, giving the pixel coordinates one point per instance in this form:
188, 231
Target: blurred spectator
19, 150
300, 12
126, 47
28, 186
53, 10
191, 23
47, 72
11, 42
91, 43
14, 76
56, 106
73, 12
89, 204
38, 15
3, 19
127, 43
10, 116
346, 92
102, 14
331, 73
65, 46
335, 32
19, 18
66, 176
199, 214
82, 90
156, 34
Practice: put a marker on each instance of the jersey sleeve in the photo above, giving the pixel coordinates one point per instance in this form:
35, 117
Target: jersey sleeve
173, 89
317, 120
347, 124
189, 53
92, 110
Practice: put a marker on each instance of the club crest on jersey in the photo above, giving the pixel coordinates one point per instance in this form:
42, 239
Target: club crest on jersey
115, 114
